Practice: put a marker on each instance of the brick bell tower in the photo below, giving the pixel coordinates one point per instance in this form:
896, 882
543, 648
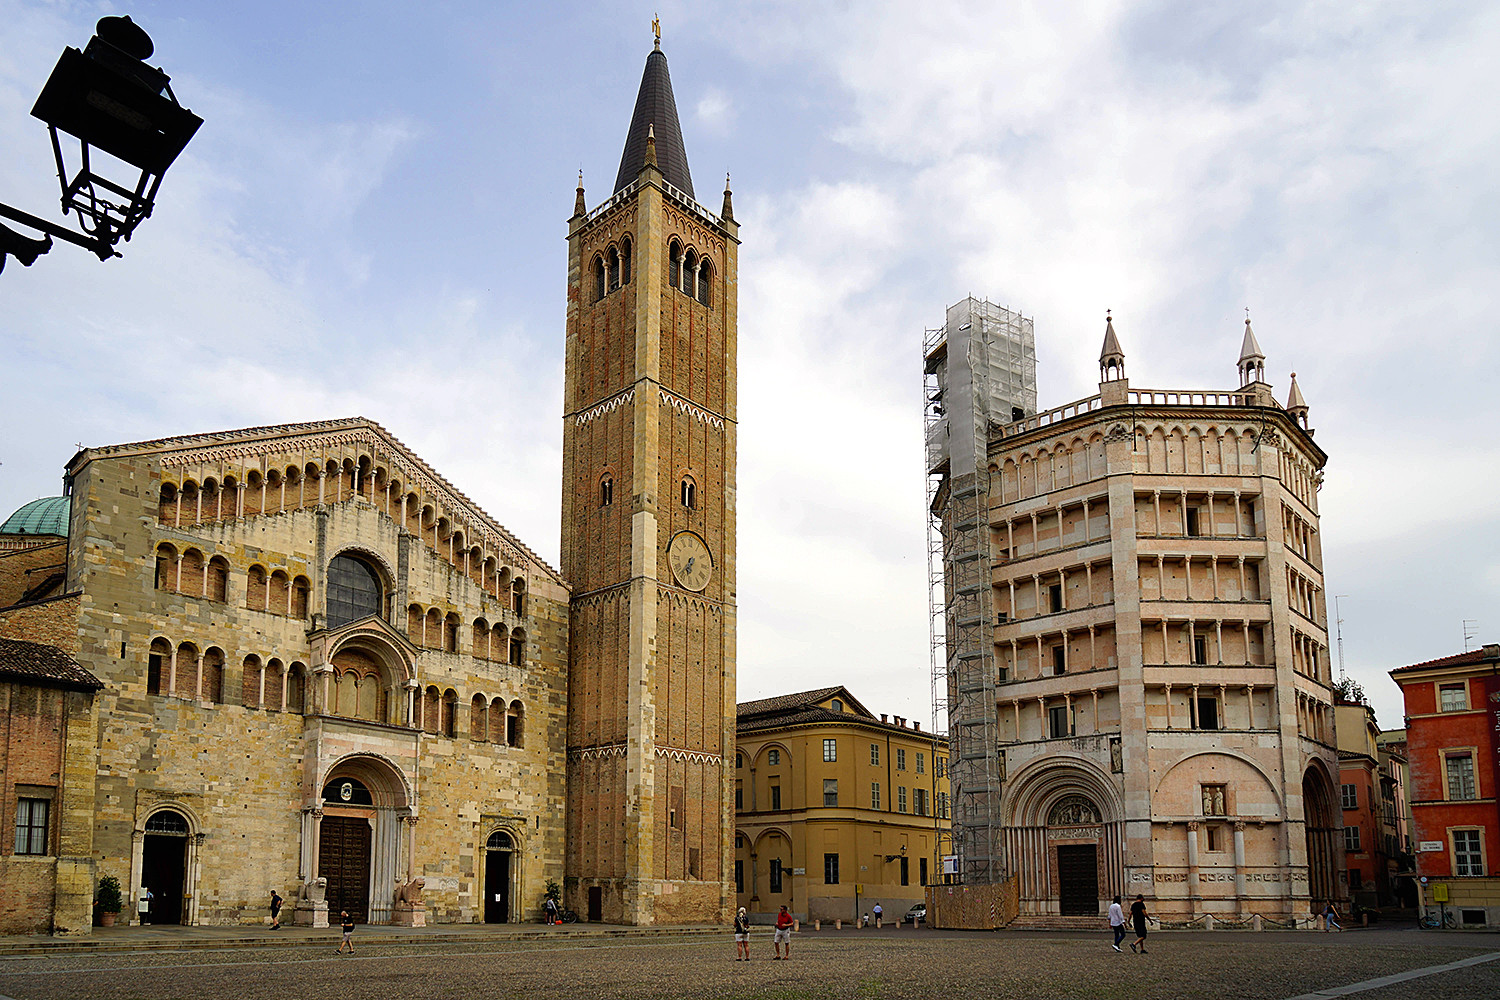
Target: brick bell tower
648, 535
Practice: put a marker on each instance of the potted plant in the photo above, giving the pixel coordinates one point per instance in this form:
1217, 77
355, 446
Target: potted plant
107, 898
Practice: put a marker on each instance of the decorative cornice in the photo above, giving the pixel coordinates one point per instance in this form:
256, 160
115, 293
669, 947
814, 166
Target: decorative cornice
696, 756
696, 412
248, 447
606, 752
608, 406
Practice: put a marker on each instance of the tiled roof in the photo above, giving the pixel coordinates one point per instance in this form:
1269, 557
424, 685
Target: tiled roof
784, 702
46, 665
656, 111
1456, 660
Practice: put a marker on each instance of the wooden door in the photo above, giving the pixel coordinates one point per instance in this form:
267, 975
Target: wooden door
344, 859
1078, 880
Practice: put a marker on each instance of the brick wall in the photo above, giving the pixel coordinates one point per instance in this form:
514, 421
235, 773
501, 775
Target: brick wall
53, 621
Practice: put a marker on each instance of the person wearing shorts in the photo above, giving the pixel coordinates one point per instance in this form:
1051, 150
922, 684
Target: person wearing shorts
783, 933
348, 924
741, 936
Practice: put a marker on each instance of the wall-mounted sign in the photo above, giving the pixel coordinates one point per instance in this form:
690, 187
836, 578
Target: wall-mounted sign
1430, 845
799, 871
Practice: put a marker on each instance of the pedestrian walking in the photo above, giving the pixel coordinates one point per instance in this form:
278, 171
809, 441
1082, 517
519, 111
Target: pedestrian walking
1117, 922
549, 911
1331, 918
1139, 917
741, 936
878, 912
348, 925
783, 933
275, 911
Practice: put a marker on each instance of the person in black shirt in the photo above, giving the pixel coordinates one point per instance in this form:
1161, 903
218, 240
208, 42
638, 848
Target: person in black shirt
1139, 917
348, 925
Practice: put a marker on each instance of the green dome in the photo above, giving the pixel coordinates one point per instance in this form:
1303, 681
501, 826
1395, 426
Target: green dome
47, 516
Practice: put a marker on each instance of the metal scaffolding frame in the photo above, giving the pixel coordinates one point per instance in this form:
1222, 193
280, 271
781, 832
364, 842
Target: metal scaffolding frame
979, 373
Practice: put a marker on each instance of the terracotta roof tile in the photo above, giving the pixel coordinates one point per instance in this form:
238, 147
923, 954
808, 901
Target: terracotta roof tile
1456, 660
46, 665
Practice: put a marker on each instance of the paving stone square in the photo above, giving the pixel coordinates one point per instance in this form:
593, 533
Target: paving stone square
848, 964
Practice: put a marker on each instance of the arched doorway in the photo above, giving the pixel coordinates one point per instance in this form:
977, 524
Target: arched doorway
355, 836
344, 842
1322, 829
1074, 828
164, 865
498, 851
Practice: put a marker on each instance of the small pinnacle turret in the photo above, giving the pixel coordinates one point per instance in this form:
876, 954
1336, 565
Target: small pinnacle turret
1252, 364
727, 212
1111, 357
1296, 406
580, 207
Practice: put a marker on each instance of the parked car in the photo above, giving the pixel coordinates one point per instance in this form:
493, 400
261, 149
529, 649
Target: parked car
917, 914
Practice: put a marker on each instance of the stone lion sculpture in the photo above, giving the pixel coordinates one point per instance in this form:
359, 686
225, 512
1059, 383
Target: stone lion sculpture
410, 893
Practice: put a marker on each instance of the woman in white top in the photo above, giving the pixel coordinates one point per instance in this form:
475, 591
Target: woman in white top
1117, 922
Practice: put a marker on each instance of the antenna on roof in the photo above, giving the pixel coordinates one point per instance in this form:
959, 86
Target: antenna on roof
1338, 625
1469, 631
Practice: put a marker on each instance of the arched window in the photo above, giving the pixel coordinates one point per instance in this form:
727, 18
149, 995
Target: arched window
499, 841
705, 275
600, 285
301, 587
213, 676
167, 510
514, 722
279, 595
431, 709
481, 639
625, 261
277, 686
518, 648
250, 681
450, 713
518, 597
185, 672
674, 264
478, 712
614, 268
158, 665
354, 590
739, 760
451, 625
166, 567
606, 491
496, 721
190, 573
689, 272
255, 589
296, 688
689, 493
167, 822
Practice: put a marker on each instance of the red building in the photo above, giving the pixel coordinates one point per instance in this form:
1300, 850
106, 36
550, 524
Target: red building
1453, 747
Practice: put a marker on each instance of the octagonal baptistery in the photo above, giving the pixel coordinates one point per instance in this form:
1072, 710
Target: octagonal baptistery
1157, 650
329, 673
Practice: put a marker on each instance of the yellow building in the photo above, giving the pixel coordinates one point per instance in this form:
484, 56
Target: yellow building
835, 809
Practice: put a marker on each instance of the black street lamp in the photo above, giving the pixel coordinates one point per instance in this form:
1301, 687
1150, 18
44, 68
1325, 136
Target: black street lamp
107, 98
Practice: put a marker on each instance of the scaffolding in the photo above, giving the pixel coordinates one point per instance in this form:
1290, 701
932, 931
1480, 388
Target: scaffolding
979, 373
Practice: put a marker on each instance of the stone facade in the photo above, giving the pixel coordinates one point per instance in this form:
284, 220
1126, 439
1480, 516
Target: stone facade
1162, 705
240, 699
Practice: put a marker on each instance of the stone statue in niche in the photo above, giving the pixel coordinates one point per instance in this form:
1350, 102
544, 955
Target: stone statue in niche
1116, 756
1075, 810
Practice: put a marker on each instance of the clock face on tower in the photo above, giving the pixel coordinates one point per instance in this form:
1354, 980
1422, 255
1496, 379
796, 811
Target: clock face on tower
691, 563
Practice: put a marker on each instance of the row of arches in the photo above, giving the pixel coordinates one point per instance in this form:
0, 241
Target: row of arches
189, 573
1195, 450
193, 674
491, 720
430, 628
297, 487
690, 272
1063, 464
612, 268
271, 685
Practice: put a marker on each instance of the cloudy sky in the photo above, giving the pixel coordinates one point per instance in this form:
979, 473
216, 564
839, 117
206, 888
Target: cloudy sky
372, 220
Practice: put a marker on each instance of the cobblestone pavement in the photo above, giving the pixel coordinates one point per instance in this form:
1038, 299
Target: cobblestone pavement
1048, 966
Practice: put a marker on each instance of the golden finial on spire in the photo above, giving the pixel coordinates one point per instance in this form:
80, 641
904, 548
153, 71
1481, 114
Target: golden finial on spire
656, 28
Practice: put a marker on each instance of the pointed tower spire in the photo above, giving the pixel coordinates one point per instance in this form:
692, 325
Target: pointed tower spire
1296, 406
1111, 357
655, 105
1252, 364
727, 212
580, 207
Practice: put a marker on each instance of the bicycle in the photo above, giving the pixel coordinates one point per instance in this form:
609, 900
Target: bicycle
1433, 920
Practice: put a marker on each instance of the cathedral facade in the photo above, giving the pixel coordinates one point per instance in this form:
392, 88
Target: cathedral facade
327, 672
